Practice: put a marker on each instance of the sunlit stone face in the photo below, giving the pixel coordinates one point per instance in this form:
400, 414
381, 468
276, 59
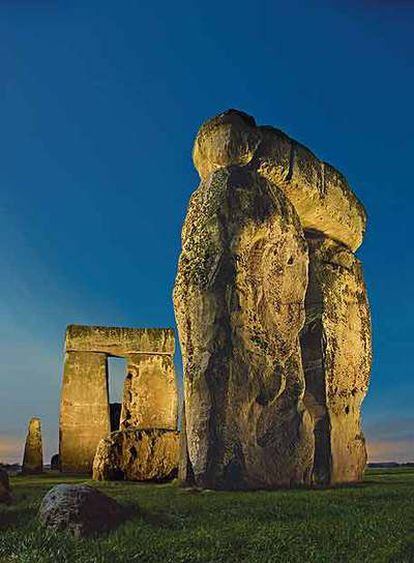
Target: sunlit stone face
239, 302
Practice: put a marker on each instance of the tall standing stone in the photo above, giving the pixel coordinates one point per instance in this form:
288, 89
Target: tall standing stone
336, 352
84, 410
33, 451
239, 303
251, 417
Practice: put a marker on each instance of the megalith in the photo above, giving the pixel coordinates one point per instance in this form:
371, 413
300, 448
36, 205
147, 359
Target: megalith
319, 192
239, 303
33, 450
150, 393
85, 412
336, 352
267, 261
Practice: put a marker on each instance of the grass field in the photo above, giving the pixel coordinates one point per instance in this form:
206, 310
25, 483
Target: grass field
373, 521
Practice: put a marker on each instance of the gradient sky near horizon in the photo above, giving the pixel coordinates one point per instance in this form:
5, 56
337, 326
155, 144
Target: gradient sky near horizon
99, 105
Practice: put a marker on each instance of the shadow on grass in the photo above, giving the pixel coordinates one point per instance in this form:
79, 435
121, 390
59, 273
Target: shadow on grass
12, 518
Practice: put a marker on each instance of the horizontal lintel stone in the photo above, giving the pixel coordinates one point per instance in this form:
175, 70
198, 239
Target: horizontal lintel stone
119, 341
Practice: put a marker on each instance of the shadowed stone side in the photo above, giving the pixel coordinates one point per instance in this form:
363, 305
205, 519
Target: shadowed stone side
33, 450
150, 398
185, 470
55, 462
115, 415
239, 304
336, 352
84, 411
320, 193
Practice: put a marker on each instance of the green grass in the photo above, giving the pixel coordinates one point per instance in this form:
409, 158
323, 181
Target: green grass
373, 521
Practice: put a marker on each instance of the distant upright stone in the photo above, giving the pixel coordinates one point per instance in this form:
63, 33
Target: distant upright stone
5, 489
55, 463
137, 455
80, 510
33, 451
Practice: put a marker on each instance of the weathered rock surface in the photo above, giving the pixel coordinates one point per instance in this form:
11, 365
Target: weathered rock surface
321, 195
137, 455
33, 451
150, 396
239, 304
85, 414
336, 352
84, 410
79, 509
55, 462
5, 489
119, 341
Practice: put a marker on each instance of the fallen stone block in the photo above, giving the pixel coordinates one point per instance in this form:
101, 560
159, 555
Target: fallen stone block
137, 455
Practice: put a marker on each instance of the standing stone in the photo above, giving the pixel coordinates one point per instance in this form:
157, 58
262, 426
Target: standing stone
33, 451
239, 304
150, 398
84, 410
336, 352
248, 421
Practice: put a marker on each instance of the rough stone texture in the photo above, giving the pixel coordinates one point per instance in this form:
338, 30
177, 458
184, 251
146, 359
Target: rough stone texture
79, 509
137, 455
84, 410
5, 489
55, 463
185, 470
336, 351
33, 451
119, 341
321, 195
239, 304
150, 393
85, 414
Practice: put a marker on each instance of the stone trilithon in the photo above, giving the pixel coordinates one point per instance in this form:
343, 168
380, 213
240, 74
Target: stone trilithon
272, 314
150, 392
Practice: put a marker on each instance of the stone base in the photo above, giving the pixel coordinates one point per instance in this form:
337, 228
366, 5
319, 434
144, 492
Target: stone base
137, 455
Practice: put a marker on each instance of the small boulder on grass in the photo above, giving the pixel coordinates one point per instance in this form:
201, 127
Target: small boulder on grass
5, 489
79, 509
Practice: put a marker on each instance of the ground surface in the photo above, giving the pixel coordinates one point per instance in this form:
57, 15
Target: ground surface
370, 522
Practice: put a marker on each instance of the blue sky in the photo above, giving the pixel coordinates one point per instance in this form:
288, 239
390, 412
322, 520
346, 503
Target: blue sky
99, 105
